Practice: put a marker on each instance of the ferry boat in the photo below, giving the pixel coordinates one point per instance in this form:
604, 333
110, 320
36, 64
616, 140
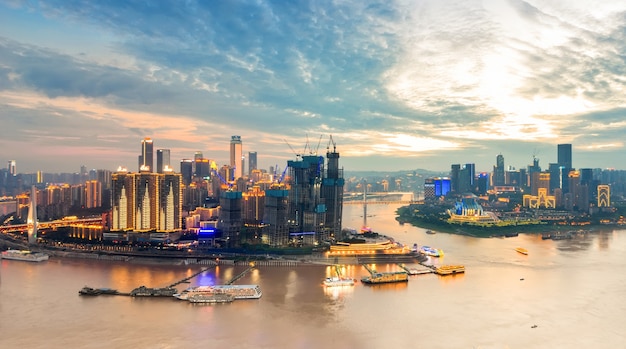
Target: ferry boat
237, 291
90, 291
383, 278
429, 251
449, 269
24, 255
338, 281
211, 298
143, 291
521, 250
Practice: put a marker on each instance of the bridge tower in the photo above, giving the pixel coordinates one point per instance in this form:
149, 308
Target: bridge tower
31, 220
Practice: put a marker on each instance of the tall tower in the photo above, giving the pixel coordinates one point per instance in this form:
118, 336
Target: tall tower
236, 154
147, 155
252, 162
31, 220
564, 156
564, 159
162, 160
12, 168
332, 193
498, 171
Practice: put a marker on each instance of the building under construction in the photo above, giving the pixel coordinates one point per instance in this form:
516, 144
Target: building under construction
315, 198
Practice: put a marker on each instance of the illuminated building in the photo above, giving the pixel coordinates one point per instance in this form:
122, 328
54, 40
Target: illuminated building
146, 202
146, 159
469, 211
436, 187
236, 156
604, 195
31, 220
542, 200
162, 160
93, 193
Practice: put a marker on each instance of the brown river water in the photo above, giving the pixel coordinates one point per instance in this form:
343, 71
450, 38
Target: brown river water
563, 294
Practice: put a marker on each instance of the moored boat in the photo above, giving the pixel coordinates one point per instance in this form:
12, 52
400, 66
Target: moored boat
429, 251
449, 269
24, 255
237, 291
383, 278
338, 281
521, 250
143, 291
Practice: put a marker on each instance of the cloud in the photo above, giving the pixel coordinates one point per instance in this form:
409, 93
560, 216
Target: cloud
398, 79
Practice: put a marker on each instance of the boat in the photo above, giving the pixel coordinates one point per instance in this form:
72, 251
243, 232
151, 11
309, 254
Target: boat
449, 269
521, 250
430, 232
429, 251
211, 298
24, 255
143, 291
90, 291
383, 278
338, 281
237, 291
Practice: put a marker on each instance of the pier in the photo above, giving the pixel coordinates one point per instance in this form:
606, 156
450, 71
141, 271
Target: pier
416, 271
191, 277
240, 275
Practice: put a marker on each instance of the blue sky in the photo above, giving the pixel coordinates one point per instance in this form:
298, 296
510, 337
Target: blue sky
399, 85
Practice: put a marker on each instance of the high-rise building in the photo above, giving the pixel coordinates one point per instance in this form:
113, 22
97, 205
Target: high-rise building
604, 195
564, 159
186, 170
252, 162
564, 156
146, 159
332, 194
236, 156
93, 192
12, 168
498, 171
162, 160
146, 202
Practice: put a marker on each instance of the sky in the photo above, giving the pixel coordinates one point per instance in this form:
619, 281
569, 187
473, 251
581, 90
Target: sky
392, 85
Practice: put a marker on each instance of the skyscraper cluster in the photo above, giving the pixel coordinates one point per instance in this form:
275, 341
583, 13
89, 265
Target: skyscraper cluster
299, 206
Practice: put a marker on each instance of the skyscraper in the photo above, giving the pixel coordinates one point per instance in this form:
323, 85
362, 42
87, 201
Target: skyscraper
564, 159
498, 171
147, 155
162, 160
236, 154
252, 164
12, 168
144, 202
565, 156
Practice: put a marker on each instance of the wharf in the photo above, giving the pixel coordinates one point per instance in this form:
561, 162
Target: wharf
413, 271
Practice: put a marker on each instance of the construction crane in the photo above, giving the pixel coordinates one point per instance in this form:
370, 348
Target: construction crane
331, 141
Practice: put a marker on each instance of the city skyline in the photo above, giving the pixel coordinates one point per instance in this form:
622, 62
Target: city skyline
399, 86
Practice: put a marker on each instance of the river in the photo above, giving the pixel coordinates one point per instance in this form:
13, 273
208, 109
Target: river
563, 294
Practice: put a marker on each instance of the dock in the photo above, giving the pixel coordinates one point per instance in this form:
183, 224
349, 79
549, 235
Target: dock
242, 274
413, 271
191, 277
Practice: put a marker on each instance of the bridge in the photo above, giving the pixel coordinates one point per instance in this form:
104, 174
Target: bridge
16, 228
383, 202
